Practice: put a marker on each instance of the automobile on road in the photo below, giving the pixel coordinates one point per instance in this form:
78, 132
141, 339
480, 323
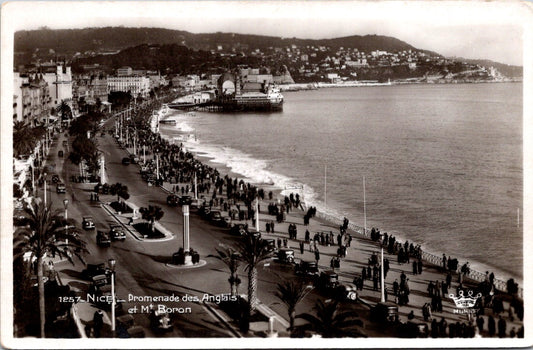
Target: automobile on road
94, 270
61, 188
329, 285
126, 161
102, 239
88, 223
117, 233
160, 319
286, 255
172, 200
306, 269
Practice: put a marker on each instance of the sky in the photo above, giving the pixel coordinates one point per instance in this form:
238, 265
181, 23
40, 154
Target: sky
486, 30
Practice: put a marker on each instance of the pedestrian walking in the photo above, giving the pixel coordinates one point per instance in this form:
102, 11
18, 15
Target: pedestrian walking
492, 326
480, 322
317, 256
502, 327
301, 247
98, 323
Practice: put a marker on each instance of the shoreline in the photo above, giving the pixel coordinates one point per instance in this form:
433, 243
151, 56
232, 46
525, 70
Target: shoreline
322, 85
332, 217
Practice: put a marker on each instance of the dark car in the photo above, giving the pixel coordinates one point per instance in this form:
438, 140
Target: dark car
94, 270
160, 319
61, 188
185, 200
307, 269
100, 291
286, 255
329, 285
215, 216
87, 223
126, 161
117, 233
238, 230
172, 200
102, 239
385, 312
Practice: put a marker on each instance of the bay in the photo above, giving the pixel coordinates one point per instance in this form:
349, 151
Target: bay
442, 163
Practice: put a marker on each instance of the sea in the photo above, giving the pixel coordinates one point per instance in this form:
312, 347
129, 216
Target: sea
439, 165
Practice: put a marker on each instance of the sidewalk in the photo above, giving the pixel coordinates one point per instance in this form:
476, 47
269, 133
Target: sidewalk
82, 311
357, 257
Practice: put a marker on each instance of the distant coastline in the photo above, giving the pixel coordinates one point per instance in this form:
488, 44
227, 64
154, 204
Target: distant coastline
322, 85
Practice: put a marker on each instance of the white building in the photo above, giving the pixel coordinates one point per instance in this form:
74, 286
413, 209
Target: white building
60, 84
135, 85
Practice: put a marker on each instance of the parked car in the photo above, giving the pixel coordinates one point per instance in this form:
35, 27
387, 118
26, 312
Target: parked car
88, 223
286, 255
238, 230
102, 239
172, 200
185, 200
306, 269
101, 289
117, 233
94, 270
61, 188
126, 327
126, 161
197, 203
385, 312
55, 178
328, 283
215, 216
134, 159
160, 319
271, 243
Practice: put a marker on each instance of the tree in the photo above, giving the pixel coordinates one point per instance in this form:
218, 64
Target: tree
252, 252
45, 234
65, 111
329, 322
25, 138
231, 258
291, 293
119, 190
152, 214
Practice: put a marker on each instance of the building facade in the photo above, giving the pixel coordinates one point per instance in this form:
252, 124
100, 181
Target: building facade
134, 84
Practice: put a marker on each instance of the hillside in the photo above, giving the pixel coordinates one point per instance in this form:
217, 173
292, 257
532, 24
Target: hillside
69, 41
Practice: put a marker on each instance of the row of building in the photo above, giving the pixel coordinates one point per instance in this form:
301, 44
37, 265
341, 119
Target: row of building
38, 93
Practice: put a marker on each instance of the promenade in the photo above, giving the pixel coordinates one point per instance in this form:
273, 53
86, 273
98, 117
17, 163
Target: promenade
205, 238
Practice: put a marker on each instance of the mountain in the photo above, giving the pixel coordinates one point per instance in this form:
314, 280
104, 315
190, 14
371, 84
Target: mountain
68, 41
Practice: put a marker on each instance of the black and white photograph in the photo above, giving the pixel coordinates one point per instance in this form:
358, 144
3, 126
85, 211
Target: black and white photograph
237, 174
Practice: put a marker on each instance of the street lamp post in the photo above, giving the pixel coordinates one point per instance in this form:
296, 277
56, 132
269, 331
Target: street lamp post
112, 263
44, 175
65, 203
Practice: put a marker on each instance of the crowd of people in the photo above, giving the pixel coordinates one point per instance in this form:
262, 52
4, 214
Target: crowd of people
176, 165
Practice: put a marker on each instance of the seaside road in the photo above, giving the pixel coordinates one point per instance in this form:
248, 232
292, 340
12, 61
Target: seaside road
140, 272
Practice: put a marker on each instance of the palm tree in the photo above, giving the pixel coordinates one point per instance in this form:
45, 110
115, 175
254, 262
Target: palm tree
231, 258
23, 140
120, 190
329, 322
152, 214
252, 252
45, 234
291, 293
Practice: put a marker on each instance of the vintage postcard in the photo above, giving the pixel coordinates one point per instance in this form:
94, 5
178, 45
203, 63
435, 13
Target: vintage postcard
236, 174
